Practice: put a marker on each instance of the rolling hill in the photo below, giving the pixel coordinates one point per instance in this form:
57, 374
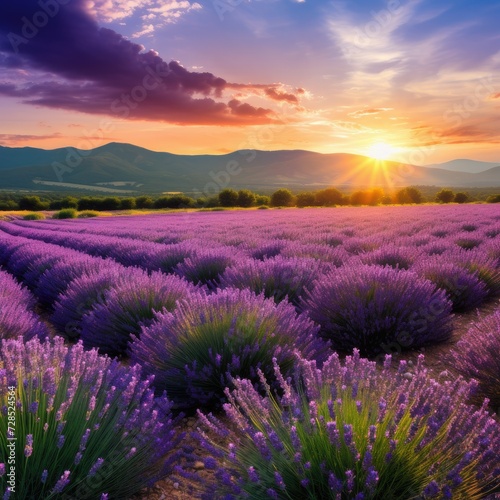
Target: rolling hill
124, 168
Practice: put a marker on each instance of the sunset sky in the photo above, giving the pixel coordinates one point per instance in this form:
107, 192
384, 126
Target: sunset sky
419, 76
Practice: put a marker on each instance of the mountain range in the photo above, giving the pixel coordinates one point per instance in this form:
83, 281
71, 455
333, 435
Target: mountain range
125, 168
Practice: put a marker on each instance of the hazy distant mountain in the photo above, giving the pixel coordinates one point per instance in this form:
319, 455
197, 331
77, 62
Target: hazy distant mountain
461, 165
125, 168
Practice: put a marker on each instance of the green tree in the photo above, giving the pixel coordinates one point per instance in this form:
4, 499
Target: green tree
329, 197
282, 198
305, 200
144, 202
262, 200
409, 195
445, 196
228, 198
461, 198
245, 198
128, 203
32, 203
110, 203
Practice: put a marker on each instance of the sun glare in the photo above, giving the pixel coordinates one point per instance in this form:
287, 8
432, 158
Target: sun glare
380, 151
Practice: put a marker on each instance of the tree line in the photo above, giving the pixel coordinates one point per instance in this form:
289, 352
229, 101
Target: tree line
243, 198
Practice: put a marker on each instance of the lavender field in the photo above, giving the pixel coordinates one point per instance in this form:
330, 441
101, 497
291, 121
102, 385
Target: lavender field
298, 340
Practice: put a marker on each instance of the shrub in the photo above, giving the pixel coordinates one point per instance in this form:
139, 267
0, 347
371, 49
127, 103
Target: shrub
494, 198
128, 306
16, 317
55, 280
196, 351
479, 263
278, 278
351, 431
388, 255
83, 293
110, 203
372, 308
85, 425
206, 266
86, 214
178, 201
465, 290
34, 216
476, 356
282, 198
66, 213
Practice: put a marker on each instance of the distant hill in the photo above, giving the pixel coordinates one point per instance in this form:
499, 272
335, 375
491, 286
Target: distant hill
124, 168
472, 166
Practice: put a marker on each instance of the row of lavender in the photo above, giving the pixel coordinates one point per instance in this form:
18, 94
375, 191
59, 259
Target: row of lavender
198, 348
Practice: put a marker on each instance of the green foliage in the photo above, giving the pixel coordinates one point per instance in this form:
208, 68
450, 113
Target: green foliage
67, 213
110, 203
176, 201
261, 200
305, 200
66, 202
32, 203
228, 198
144, 202
87, 214
367, 197
409, 195
34, 216
282, 198
8, 205
329, 197
461, 198
128, 203
494, 198
445, 196
245, 198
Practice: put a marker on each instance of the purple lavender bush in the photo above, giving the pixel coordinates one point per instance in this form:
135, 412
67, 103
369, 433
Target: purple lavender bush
353, 431
196, 351
83, 293
476, 356
85, 426
371, 308
278, 278
54, 281
128, 306
16, 315
206, 266
465, 290
393, 256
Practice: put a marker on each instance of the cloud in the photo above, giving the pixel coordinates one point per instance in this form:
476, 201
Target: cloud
369, 112
148, 29
13, 139
74, 64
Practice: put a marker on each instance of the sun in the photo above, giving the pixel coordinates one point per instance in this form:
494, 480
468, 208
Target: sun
380, 151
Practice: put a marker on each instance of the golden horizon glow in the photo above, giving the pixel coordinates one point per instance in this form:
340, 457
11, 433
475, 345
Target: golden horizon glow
381, 151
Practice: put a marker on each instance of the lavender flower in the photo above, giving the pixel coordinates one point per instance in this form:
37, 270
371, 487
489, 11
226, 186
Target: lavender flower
457, 458
369, 307
196, 351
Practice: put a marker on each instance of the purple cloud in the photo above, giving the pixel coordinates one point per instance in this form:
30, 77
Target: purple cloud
71, 63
